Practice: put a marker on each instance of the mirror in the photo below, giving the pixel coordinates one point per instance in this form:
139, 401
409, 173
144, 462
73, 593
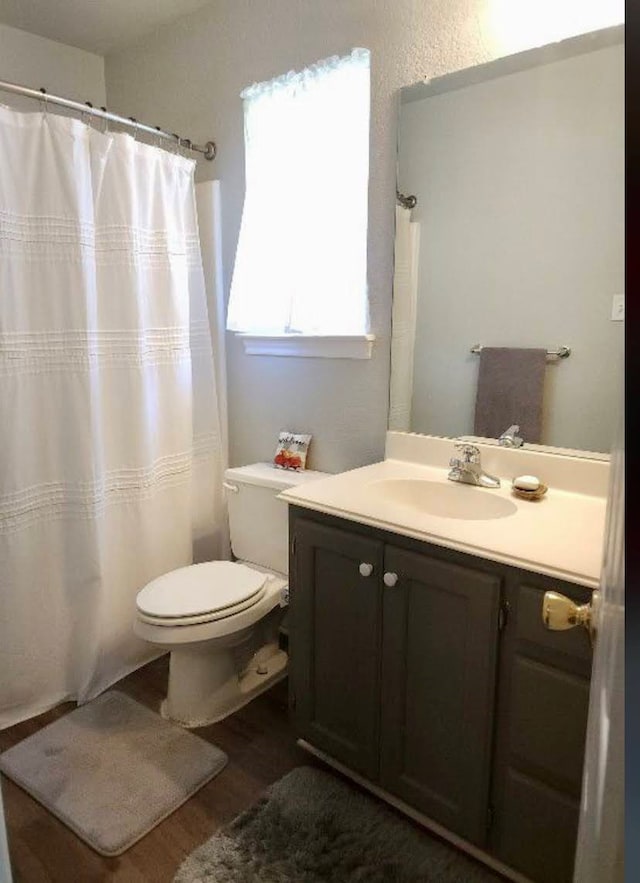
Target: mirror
516, 240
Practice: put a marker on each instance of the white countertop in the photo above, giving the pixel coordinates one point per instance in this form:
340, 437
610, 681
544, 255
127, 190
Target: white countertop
560, 535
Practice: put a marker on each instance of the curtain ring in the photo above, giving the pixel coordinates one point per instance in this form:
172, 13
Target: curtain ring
44, 100
135, 128
105, 121
84, 116
177, 145
158, 139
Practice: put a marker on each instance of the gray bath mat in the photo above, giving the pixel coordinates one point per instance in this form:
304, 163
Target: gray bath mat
112, 770
313, 828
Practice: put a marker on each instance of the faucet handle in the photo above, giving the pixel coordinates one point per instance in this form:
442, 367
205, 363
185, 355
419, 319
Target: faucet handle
510, 437
470, 453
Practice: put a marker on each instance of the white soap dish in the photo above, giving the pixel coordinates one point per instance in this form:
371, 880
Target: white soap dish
539, 492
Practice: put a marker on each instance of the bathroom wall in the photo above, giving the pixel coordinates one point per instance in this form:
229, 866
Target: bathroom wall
520, 185
34, 61
187, 77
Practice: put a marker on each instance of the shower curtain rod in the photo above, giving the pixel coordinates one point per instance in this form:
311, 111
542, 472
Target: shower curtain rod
209, 149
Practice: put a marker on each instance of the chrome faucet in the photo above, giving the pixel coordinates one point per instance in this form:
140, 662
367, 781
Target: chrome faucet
510, 437
467, 468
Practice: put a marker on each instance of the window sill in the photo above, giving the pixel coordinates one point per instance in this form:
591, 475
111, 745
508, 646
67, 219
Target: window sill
358, 346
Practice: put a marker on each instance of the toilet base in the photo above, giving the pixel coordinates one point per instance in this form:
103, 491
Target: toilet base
204, 688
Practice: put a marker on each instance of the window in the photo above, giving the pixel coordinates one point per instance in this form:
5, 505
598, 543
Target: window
301, 261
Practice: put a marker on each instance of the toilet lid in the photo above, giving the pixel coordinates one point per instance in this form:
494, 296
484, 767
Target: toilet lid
200, 589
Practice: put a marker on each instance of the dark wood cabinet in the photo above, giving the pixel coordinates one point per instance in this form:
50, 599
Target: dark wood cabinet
397, 682
429, 672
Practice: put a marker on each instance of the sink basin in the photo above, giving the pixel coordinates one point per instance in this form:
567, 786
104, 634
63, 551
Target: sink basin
450, 500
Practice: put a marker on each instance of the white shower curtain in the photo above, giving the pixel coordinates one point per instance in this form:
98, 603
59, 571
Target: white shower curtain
110, 453
403, 319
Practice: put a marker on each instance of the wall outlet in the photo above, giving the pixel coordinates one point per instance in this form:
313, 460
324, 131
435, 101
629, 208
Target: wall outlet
617, 308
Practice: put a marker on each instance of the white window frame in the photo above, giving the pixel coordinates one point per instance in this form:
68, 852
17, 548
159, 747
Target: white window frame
337, 346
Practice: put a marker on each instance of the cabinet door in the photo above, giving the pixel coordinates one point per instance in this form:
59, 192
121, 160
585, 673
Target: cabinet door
542, 719
438, 682
334, 643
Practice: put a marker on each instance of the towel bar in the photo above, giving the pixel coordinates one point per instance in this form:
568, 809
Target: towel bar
563, 352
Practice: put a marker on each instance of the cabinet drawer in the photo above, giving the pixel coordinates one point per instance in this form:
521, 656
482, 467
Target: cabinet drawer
549, 719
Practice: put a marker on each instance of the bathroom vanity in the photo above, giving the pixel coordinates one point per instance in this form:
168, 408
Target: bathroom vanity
419, 660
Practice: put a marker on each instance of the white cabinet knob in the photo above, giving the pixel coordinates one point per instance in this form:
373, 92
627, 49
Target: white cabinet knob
390, 579
365, 569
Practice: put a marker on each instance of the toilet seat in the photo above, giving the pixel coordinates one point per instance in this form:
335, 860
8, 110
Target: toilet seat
200, 593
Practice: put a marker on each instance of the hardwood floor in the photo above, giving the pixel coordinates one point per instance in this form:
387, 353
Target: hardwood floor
261, 749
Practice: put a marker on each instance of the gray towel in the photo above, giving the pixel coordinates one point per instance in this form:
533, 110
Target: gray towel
510, 387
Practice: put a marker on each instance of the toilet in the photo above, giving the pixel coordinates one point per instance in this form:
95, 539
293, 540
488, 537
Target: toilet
220, 620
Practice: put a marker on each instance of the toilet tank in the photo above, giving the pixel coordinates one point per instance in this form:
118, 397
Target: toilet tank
258, 520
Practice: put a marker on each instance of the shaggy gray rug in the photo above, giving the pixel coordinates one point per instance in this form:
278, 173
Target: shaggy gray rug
112, 769
311, 827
